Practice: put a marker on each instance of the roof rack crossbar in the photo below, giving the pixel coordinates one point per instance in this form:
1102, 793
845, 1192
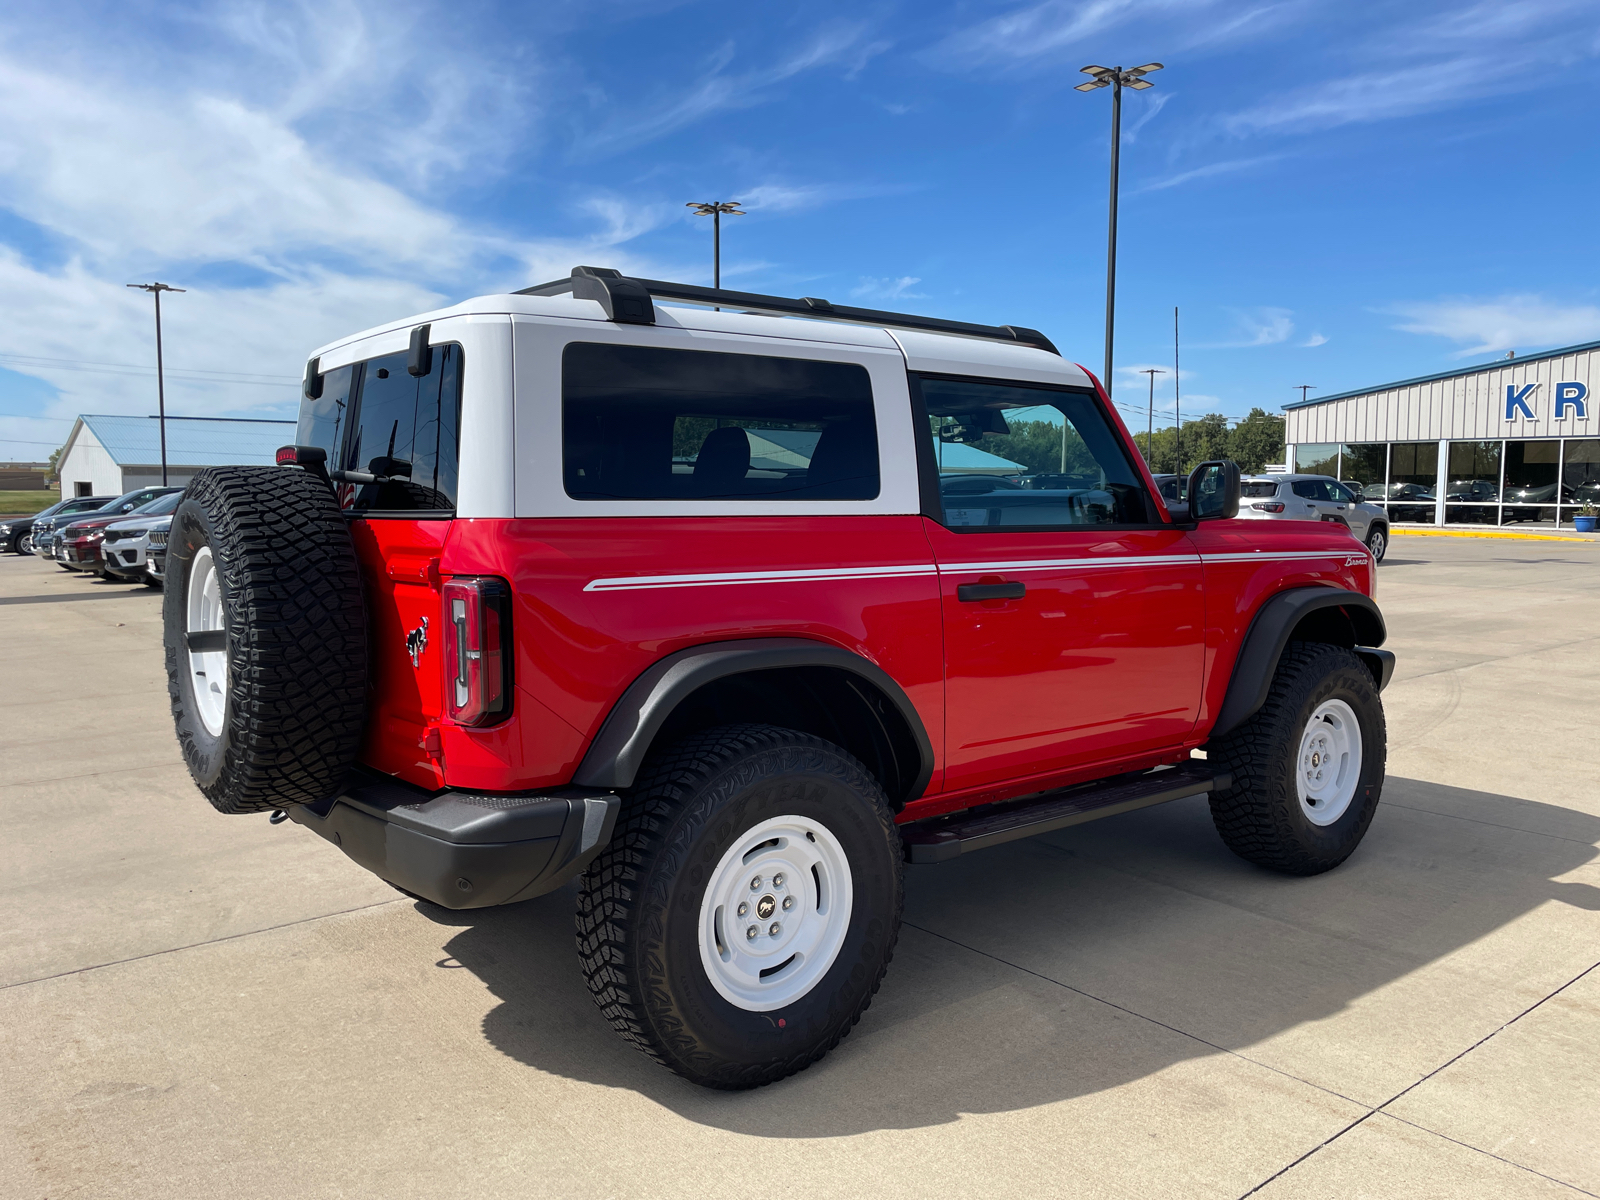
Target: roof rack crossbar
613, 290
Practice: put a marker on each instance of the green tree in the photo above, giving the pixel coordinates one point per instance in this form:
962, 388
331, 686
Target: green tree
55, 457
1038, 446
1257, 440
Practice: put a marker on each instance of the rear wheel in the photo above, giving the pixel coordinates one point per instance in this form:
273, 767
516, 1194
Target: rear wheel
745, 912
265, 638
1307, 768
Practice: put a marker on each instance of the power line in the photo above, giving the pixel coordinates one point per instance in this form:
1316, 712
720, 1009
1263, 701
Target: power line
196, 375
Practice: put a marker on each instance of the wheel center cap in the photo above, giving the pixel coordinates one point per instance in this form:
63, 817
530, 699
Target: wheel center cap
766, 906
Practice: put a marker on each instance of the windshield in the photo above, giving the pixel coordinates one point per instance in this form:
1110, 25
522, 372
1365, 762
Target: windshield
161, 505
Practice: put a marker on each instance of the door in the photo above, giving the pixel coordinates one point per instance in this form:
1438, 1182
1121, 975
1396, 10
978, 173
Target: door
1324, 501
1073, 618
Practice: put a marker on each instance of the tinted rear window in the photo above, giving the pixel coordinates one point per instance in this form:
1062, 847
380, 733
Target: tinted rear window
647, 423
1258, 491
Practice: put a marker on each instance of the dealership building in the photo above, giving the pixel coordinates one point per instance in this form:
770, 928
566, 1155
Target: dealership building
1511, 443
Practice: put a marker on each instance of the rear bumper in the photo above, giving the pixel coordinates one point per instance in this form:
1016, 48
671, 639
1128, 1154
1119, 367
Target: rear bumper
461, 849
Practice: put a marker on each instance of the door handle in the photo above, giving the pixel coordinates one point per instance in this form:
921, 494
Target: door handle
969, 592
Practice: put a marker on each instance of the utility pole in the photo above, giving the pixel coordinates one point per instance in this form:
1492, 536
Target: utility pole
1304, 388
1177, 407
155, 289
1150, 436
714, 209
1117, 79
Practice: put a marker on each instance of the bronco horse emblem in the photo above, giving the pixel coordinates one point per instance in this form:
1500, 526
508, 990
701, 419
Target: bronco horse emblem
417, 642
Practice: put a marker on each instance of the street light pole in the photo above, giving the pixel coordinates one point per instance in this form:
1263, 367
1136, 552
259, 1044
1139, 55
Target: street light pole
714, 209
1116, 78
1150, 437
155, 289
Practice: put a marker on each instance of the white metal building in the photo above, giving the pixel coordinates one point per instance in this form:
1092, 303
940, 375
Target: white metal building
110, 455
1512, 442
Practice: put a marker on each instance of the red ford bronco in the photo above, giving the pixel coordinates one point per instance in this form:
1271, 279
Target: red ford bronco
729, 605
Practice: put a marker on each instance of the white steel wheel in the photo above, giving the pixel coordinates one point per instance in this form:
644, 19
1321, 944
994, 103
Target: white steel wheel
775, 913
1328, 769
208, 669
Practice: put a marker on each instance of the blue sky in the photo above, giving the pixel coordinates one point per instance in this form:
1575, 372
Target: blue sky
1334, 194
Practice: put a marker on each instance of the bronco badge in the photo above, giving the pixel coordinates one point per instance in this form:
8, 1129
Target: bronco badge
417, 642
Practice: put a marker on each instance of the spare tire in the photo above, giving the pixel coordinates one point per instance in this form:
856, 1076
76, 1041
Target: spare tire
266, 637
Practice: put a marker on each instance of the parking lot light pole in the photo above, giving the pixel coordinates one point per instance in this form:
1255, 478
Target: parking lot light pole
714, 209
155, 289
1116, 79
1150, 437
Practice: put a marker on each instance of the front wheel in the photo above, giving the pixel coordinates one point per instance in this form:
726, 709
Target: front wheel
1378, 542
23, 544
745, 912
1307, 767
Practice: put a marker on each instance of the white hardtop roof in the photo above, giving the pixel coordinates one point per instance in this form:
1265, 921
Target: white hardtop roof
939, 353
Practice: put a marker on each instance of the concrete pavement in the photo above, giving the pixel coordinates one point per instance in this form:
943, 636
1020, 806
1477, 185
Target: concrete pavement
194, 1005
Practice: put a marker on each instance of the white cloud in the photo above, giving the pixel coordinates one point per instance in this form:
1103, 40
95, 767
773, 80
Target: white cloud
1038, 30
888, 289
1316, 339
1504, 323
1206, 172
1257, 327
719, 90
203, 176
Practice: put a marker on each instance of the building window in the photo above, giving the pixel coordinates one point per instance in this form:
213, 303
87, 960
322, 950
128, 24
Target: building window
1580, 475
81, 488
1364, 466
1413, 478
1531, 482
1317, 459
1472, 486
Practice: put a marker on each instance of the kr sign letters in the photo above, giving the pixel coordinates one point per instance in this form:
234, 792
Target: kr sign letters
1569, 396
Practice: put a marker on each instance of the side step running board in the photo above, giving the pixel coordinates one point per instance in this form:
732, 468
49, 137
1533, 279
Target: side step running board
940, 839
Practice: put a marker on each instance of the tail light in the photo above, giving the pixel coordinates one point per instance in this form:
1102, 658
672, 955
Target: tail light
477, 650
1275, 507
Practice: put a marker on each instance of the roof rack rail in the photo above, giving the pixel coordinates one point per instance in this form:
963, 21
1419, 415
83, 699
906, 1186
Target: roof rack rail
629, 301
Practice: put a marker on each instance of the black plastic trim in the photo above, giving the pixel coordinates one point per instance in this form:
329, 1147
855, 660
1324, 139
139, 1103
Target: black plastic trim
1268, 635
1379, 662
465, 849
618, 750
608, 286
419, 354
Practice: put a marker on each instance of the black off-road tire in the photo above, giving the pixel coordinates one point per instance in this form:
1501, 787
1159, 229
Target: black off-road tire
639, 906
1260, 815
296, 637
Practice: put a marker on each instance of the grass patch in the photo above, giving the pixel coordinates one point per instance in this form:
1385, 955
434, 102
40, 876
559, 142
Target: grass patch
25, 504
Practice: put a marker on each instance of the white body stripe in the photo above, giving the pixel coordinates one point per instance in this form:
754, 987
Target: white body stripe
634, 583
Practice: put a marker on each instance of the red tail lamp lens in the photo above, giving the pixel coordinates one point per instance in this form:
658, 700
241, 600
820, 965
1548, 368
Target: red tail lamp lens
477, 650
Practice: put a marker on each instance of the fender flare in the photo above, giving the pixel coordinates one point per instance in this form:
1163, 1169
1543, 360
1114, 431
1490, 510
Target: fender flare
618, 750
1269, 633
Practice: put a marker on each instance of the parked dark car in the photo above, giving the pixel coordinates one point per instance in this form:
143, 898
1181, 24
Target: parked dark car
17, 535
1472, 500
1407, 501
1520, 502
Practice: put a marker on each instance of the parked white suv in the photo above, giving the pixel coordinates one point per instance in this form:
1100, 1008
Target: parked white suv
1285, 497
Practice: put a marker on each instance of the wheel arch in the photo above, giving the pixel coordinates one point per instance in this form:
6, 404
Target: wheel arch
794, 682
1308, 614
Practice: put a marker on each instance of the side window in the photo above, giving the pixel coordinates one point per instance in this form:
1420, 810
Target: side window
1026, 457
648, 423
404, 429
322, 420
1309, 489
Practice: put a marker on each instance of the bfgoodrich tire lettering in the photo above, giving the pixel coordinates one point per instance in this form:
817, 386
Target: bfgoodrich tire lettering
293, 646
641, 903
1261, 816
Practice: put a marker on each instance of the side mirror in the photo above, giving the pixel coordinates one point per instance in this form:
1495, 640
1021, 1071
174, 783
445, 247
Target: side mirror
1214, 491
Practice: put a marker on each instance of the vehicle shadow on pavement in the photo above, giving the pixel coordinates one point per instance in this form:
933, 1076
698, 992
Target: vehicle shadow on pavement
1078, 962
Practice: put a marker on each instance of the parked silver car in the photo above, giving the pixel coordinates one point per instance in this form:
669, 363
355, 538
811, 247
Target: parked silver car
127, 543
1314, 498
